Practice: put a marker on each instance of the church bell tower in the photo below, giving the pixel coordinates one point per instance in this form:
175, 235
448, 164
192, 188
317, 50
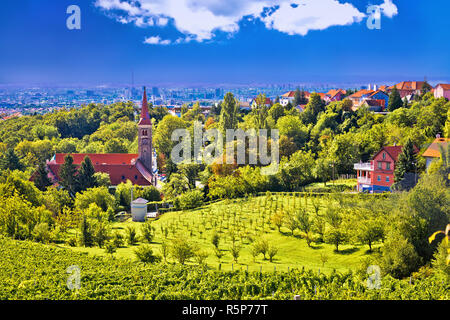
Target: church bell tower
145, 136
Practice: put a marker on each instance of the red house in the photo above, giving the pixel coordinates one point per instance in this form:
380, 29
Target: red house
378, 175
138, 168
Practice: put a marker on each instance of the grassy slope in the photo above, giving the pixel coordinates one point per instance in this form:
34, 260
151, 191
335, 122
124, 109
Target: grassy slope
293, 251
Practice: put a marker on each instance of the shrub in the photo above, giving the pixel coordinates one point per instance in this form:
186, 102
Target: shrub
145, 254
131, 235
41, 233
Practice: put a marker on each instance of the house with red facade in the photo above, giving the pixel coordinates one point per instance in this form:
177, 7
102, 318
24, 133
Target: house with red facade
138, 168
378, 175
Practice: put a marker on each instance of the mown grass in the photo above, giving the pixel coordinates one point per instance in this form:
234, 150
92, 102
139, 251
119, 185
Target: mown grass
250, 220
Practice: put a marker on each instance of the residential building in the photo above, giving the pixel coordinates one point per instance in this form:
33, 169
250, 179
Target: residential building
442, 91
433, 152
334, 95
378, 175
407, 88
358, 97
254, 104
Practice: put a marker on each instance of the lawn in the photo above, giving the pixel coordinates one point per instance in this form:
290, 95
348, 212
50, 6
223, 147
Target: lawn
249, 220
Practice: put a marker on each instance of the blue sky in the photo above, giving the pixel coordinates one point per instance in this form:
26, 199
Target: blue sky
192, 42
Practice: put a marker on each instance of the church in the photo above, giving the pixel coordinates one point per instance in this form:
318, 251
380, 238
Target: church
138, 168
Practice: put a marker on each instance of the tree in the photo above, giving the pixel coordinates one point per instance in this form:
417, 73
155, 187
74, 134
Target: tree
395, 100
262, 246
405, 103
272, 252
163, 134
42, 181
164, 249
399, 258
406, 162
86, 237
426, 87
182, 250
10, 161
304, 221
228, 115
369, 231
336, 236
215, 240
201, 256
86, 175
235, 251
148, 231
315, 106
278, 219
68, 175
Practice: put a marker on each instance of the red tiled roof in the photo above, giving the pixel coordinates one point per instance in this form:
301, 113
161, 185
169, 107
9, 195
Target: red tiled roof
376, 92
98, 159
145, 117
361, 93
333, 93
444, 86
409, 85
118, 173
289, 94
375, 102
433, 150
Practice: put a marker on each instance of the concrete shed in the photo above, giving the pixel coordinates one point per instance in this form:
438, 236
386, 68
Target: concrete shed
139, 210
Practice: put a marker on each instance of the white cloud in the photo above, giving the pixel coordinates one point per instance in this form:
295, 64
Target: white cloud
198, 20
388, 8
312, 15
157, 40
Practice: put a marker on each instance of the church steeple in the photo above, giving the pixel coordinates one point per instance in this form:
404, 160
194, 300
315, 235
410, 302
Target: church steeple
145, 135
145, 117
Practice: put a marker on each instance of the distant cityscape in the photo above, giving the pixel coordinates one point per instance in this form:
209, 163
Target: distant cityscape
40, 100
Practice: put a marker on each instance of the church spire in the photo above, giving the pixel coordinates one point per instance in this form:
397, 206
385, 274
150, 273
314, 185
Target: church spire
145, 117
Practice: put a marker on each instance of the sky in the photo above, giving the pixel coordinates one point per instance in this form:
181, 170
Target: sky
216, 42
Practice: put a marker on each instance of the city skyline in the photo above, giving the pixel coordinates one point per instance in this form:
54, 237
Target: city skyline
250, 47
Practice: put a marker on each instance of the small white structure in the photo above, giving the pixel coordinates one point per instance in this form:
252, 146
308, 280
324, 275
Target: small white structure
139, 210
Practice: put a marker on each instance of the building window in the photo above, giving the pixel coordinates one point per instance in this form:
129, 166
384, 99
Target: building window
380, 165
135, 177
144, 132
123, 177
384, 156
387, 179
388, 166
379, 178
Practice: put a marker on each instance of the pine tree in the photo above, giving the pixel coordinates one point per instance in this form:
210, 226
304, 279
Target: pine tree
395, 100
426, 87
10, 161
297, 97
406, 163
86, 238
228, 118
68, 175
42, 180
86, 178
405, 103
